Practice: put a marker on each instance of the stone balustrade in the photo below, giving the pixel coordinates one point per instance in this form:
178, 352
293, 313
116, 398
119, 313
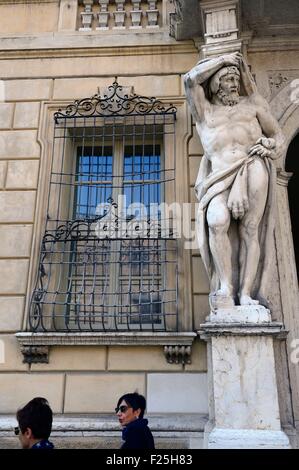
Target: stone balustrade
115, 15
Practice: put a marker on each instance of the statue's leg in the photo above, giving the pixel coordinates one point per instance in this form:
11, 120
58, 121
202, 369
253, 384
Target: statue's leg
249, 226
218, 218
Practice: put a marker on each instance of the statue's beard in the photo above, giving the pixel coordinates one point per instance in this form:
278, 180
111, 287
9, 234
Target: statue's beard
228, 99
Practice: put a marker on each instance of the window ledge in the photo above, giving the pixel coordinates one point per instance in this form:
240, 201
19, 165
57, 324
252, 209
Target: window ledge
176, 346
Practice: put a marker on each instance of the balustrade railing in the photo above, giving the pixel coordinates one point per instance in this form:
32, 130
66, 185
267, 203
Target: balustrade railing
115, 15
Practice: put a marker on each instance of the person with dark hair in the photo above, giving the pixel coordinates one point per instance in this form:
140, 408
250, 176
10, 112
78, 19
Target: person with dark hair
35, 424
136, 433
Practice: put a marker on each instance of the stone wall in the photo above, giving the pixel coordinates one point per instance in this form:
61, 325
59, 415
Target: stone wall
36, 81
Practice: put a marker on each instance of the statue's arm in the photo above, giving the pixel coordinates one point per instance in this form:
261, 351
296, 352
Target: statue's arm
194, 79
274, 142
195, 94
203, 70
194, 91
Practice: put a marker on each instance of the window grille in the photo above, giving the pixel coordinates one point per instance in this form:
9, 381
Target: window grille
109, 263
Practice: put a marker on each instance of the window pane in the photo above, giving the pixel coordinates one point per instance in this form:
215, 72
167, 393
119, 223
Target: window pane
93, 180
142, 175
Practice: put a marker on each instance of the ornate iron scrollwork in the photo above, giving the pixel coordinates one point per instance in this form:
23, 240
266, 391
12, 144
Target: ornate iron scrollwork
115, 103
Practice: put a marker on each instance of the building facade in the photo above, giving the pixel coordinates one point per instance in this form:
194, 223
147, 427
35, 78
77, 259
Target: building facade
97, 298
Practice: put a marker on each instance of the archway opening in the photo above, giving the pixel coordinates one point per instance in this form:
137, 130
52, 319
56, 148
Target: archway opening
292, 165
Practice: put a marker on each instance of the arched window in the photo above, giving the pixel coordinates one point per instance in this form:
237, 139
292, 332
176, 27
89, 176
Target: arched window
292, 165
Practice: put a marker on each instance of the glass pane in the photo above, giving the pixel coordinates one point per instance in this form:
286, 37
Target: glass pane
93, 180
142, 176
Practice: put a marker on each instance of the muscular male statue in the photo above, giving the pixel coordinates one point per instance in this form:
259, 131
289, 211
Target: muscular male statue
235, 182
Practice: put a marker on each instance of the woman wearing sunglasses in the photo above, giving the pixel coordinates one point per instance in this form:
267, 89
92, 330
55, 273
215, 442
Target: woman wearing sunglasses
136, 433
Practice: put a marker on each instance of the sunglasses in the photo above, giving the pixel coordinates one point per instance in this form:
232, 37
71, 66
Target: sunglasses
17, 430
122, 409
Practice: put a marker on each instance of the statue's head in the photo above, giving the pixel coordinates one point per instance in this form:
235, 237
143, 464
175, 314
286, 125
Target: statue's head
225, 84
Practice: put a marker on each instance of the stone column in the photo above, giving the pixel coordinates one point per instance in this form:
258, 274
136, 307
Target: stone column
243, 399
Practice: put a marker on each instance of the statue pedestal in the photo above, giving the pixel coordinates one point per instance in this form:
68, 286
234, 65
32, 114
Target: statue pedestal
243, 400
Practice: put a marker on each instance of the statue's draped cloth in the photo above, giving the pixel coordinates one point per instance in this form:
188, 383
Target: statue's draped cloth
235, 179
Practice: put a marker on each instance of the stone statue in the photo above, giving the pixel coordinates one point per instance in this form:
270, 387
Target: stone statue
236, 179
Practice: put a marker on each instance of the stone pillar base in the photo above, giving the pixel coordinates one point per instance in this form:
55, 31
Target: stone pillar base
221, 438
243, 399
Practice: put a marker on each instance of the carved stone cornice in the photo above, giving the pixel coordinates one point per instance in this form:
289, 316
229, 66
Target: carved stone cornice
208, 330
26, 48
176, 346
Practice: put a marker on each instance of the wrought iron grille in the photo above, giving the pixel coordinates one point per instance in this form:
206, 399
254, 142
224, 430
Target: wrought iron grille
108, 258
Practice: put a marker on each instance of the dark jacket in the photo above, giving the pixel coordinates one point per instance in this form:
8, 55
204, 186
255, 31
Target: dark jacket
137, 435
43, 444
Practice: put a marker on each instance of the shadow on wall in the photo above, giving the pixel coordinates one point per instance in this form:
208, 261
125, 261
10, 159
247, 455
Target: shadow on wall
292, 165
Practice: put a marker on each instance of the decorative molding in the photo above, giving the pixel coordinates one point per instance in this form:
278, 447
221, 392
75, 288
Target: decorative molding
228, 47
98, 51
119, 15
221, 22
208, 330
136, 15
87, 15
220, 19
122, 16
35, 354
115, 103
152, 14
106, 339
277, 80
177, 346
103, 16
178, 354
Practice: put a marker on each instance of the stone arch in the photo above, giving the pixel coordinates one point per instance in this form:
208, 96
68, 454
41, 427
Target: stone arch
285, 108
286, 112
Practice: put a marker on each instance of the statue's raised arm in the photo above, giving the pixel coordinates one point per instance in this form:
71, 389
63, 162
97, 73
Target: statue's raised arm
197, 81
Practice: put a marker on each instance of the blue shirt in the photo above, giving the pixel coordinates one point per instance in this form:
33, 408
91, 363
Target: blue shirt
43, 444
